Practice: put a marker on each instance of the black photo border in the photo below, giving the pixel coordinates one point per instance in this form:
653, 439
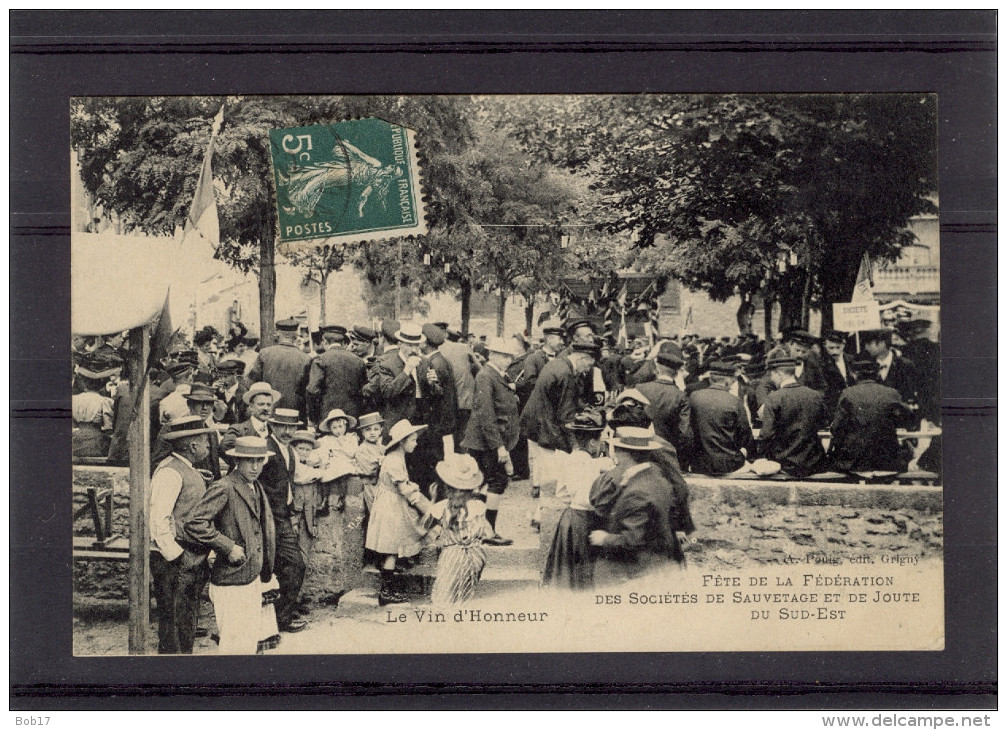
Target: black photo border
57, 55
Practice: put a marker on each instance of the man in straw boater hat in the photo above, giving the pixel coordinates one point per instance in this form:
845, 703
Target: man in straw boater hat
864, 428
284, 366
494, 427
200, 400
178, 565
233, 518
720, 424
552, 404
259, 401
276, 479
791, 418
638, 537
336, 378
392, 382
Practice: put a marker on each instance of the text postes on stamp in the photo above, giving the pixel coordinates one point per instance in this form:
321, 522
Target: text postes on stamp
349, 181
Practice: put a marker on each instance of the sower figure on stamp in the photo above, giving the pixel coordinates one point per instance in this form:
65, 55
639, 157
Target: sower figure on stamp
233, 518
493, 428
178, 565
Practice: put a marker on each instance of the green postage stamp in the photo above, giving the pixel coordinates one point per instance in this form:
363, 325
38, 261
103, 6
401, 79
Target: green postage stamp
350, 181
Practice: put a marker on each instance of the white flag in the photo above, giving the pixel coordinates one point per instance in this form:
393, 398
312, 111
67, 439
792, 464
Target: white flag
202, 222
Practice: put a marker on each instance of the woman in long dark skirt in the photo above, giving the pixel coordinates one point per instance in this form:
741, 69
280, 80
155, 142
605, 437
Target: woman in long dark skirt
568, 564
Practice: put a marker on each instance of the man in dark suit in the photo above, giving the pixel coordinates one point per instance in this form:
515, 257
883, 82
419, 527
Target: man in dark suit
837, 367
524, 372
554, 403
230, 391
791, 418
669, 406
392, 382
719, 423
276, 480
925, 355
801, 345
259, 400
234, 520
493, 428
864, 429
336, 377
436, 408
893, 370
285, 367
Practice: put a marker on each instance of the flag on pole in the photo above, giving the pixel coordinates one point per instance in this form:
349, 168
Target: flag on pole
160, 342
863, 290
202, 222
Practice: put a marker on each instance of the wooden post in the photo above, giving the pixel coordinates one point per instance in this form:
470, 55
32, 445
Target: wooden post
139, 479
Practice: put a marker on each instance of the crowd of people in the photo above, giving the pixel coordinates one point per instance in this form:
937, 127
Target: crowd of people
254, 447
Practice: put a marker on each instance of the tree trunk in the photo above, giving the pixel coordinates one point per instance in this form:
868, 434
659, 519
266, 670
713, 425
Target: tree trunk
745, 312
322, 290
267, 286
529, 315
767, 318
806, 302
465, 295
501, 312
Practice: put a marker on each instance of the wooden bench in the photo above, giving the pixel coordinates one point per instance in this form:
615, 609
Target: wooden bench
105, 545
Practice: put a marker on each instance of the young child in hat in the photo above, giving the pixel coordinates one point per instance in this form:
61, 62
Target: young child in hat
394, 530
305, 487
337, 447
369, 455
459, 521
568, 563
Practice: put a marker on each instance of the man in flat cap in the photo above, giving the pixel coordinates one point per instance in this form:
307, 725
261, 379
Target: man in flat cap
463, 367
336, 377
173, 405
837, 368
791, 418
554, 403
436, 408
285, 367
178, 565
864, 429
893, 370
801, 345
925, 355
723, 435
230, 391
669, 406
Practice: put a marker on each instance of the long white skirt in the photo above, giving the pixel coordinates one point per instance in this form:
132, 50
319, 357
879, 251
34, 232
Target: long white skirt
242, 620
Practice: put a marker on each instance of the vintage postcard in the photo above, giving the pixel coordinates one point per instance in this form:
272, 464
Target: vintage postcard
491, 374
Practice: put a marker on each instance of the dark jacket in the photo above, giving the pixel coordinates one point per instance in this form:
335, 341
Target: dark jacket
720, 427
553, 403
863, 430
336, 379
392, 389
640, 534
285, 368
277, 479
925, 355
438, 404
835, 383
495, 415
233, 432
791, 419
233, 512
903, 376
813, 375
525, 372
669, 410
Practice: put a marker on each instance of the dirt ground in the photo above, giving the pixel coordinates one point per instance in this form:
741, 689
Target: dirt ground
728, 537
